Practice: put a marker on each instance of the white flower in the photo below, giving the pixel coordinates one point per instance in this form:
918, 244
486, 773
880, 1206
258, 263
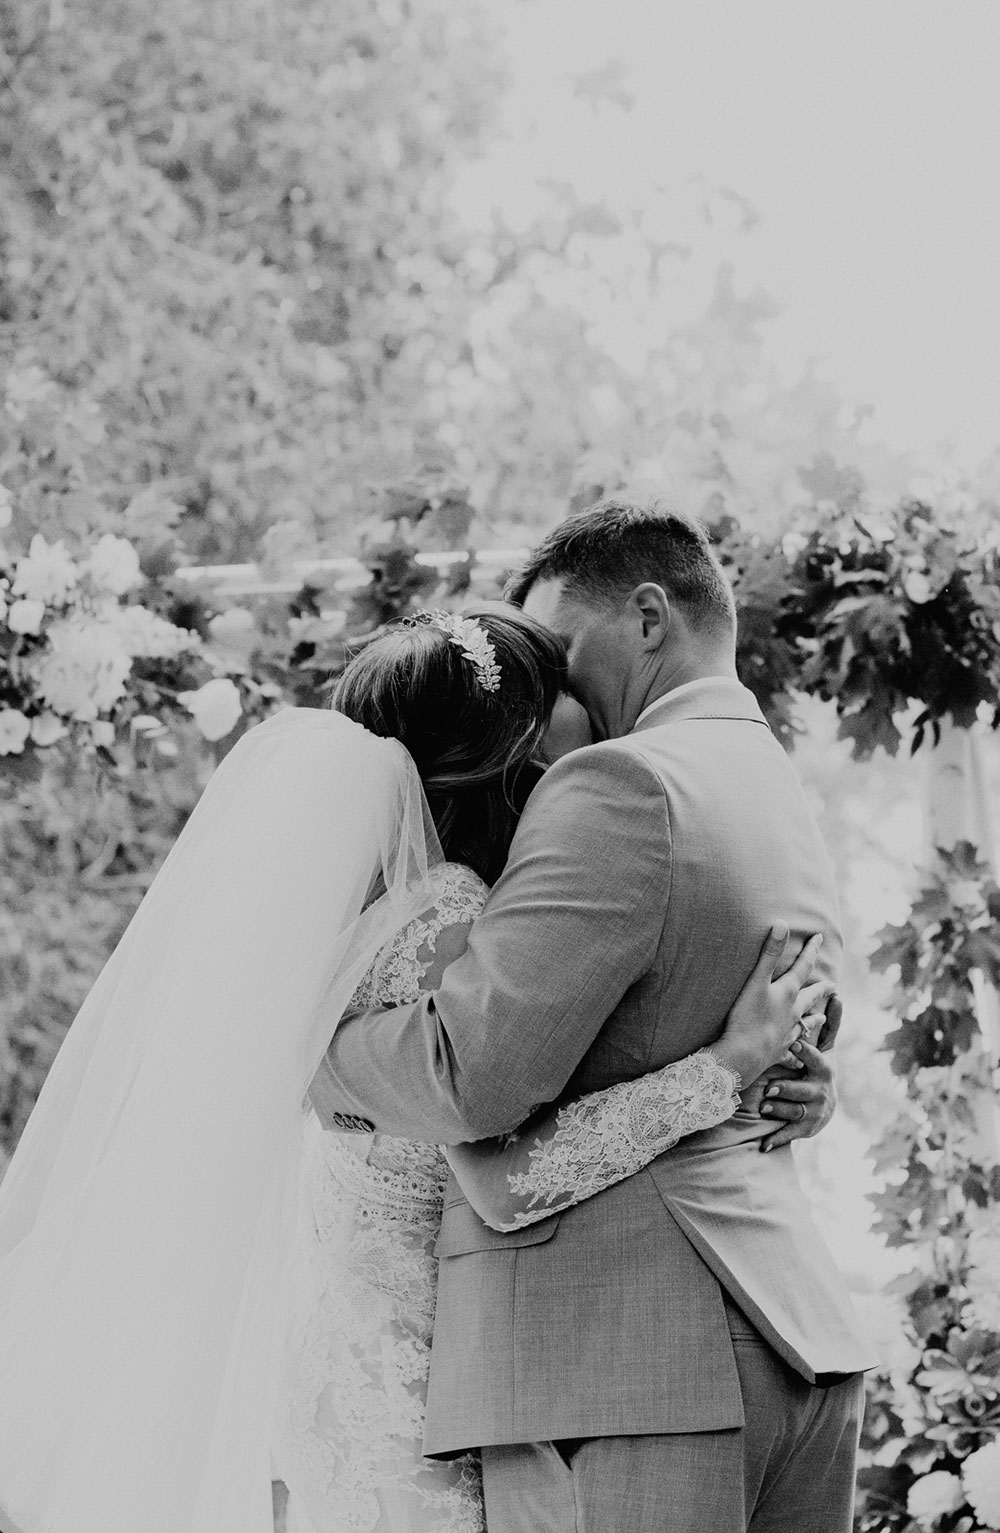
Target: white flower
934, 1495
84, 416
46, 729
148, 636
981, 1478
917, 586
792, 545
103, 733
216, 707
29, 387
147, 724
114, 565
233, 635
84, 672
6, 506
14, 731
46, 573
24, 616
911, 1402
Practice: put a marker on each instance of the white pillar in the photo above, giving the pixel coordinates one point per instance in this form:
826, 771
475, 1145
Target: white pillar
956, 798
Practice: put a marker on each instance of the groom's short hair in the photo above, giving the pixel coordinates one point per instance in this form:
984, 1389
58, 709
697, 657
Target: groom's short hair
604, 552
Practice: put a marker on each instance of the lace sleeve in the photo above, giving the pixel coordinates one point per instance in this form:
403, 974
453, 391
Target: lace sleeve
593, 1142
413, 961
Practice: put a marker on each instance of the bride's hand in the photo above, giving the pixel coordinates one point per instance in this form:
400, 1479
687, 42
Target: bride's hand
773, 1014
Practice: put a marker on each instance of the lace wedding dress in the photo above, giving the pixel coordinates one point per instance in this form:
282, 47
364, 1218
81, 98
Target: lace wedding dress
349, 1429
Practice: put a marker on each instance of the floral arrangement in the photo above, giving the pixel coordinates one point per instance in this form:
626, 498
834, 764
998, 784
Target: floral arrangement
102, 643
932, 1438
95, 643
70, 644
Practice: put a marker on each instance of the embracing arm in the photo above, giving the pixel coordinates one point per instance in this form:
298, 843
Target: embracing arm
573, 923
588, 1144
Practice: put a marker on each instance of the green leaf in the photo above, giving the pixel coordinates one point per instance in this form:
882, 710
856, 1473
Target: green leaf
870, 727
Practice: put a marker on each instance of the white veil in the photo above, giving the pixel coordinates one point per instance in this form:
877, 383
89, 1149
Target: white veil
147, 1215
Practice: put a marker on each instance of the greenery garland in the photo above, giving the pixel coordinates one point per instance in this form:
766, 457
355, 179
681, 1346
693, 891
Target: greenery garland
872, 616
931, 1441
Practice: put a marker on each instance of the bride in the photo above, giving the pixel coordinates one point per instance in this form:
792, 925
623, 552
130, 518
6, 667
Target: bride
185, 1258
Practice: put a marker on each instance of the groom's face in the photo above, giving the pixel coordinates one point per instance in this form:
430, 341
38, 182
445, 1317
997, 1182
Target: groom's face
598, 651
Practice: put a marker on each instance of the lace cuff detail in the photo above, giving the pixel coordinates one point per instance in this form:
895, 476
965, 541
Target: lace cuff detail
609, 1135
734, 1075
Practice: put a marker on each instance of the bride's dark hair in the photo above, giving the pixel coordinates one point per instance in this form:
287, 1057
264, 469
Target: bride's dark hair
476, 751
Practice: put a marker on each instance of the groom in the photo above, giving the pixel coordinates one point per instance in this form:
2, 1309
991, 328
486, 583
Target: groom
677, 1354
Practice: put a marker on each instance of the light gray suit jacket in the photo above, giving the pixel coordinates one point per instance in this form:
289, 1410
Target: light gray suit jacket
642, 880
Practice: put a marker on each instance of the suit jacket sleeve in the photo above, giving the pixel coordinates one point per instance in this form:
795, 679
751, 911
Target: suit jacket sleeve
574, 921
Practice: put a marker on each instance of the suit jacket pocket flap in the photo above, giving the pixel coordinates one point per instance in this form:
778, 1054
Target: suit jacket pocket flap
463, 1231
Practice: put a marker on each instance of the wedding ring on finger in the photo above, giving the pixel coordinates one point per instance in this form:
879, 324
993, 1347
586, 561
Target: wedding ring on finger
811, 1023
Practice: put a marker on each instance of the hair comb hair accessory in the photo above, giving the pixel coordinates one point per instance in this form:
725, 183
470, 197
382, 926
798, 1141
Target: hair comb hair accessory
470, 637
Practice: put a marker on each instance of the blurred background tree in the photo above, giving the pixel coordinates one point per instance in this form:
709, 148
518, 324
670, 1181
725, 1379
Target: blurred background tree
226, 231
230, 241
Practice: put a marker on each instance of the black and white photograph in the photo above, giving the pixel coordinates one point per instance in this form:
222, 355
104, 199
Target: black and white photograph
499, 766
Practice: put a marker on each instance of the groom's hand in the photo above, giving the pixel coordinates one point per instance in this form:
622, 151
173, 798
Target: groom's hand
803, 1100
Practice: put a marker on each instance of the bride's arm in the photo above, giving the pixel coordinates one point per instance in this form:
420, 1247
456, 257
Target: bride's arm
588, 1144
413, 964
580, 1149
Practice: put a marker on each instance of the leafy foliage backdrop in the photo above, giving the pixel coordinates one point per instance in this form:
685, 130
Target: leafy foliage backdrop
240, 319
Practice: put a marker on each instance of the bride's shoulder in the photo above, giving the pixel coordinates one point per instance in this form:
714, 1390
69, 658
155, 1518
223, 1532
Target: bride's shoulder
459, 892
417, 956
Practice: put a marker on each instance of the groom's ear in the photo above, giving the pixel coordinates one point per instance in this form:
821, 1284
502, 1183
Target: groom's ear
652, 609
